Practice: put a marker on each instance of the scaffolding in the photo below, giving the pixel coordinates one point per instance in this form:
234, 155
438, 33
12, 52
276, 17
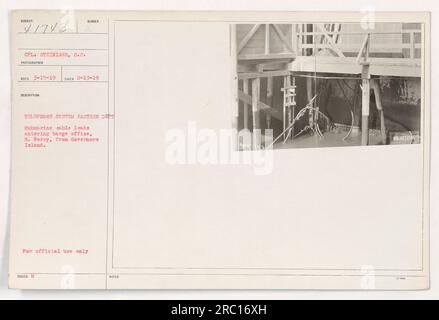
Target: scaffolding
314, 51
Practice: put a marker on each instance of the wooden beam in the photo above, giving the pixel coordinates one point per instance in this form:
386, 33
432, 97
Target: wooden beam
378, 66
295, 39
264, 74
267, 38
365, 105
256, 83
269, 99
309, 95
246, 98
377, 92
282, 37
330, 41
247, 37
412, 45
268, 66
263, 56
289, 109
245, 88
363, 46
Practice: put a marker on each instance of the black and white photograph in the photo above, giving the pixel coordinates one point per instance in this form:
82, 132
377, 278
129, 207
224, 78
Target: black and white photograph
329, 84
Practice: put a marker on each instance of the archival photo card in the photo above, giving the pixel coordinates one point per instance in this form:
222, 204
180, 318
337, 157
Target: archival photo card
220, 150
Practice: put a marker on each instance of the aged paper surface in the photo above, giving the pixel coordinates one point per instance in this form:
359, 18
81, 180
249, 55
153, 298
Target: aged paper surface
220, 150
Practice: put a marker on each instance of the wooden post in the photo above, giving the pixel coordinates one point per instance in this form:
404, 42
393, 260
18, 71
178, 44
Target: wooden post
294, 39
256, 83
293, 108
267, 38
365, 88
309, 97
365, 104
269, 99
290, 116
317, 108
245, 89
412, 45
376, 90
309, 38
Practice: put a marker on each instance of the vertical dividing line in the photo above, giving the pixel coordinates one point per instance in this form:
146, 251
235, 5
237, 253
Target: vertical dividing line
422, 140
230, 39
284, 106
114, 141
234, 73
108, 151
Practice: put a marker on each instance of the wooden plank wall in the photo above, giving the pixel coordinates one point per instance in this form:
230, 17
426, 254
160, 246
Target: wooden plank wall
256, 44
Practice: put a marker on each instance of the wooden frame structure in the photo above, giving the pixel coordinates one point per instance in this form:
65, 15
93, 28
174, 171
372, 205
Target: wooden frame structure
315, 49
252, 67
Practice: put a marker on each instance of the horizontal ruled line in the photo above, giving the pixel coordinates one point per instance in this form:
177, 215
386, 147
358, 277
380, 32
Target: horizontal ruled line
97, 49
63, 33
225, 274
62, 65
59, 81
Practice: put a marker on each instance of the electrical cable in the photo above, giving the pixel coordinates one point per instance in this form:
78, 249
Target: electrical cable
350, 105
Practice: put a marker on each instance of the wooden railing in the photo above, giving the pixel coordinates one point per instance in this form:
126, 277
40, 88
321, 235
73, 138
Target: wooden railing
331, 39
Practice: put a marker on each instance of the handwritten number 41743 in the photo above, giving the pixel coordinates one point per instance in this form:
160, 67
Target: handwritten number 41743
46, 28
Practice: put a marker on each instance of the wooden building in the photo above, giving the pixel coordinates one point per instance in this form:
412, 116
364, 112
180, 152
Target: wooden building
323, 78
